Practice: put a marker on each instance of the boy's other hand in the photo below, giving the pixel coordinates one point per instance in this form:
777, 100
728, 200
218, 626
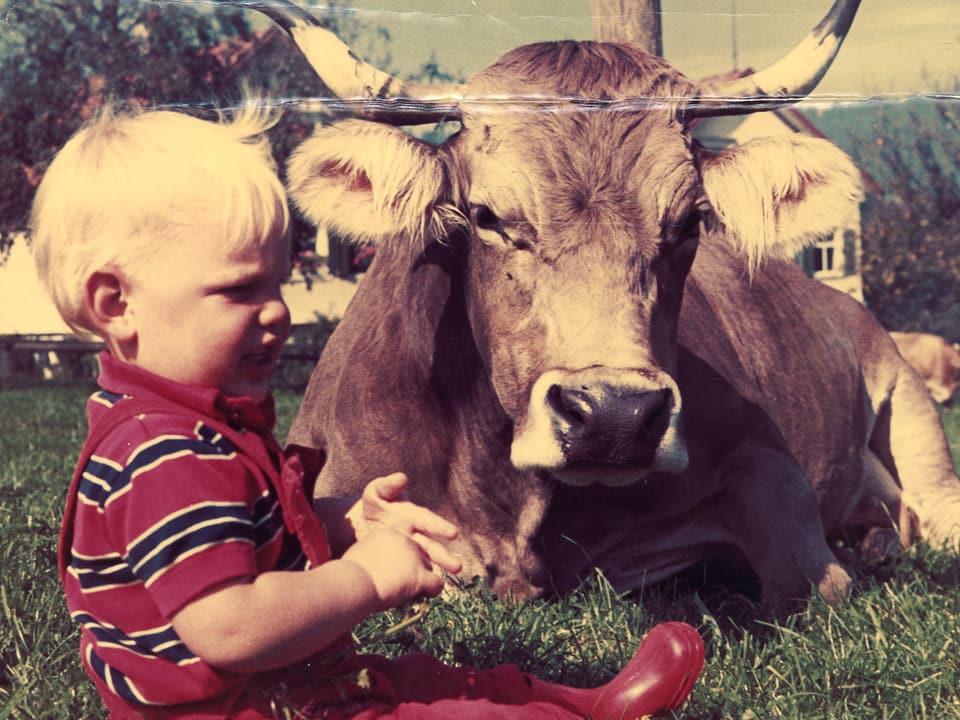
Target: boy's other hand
383, 505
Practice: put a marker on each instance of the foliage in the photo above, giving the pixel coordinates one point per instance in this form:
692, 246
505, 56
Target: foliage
951, 426
888, 652
911, 222
59, 61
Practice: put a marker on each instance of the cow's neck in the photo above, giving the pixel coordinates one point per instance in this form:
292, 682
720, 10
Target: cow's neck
440, 342
483, 488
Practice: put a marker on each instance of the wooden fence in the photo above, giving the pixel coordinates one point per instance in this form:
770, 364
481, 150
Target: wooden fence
51, 357
47, 357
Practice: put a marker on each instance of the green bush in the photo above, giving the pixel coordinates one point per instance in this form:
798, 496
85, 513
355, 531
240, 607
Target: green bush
911, 219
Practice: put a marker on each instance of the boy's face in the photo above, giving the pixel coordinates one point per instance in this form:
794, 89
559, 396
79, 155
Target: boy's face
206, 315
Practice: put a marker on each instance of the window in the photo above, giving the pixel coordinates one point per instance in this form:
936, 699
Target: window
827, 259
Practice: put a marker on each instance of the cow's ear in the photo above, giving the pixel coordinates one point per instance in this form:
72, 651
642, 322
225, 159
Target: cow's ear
776, 195
368, 181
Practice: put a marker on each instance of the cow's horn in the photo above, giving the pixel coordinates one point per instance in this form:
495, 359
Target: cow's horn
788, 80
358, 86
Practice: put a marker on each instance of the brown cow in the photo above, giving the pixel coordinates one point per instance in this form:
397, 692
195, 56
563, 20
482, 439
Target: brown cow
538, 348
936, 361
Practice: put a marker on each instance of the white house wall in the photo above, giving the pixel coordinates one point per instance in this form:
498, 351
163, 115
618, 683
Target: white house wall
26, 309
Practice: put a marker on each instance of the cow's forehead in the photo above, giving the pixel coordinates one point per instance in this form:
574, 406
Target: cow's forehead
548, 140
567, 166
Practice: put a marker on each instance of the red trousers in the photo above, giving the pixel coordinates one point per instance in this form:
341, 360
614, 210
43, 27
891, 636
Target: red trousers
412, 687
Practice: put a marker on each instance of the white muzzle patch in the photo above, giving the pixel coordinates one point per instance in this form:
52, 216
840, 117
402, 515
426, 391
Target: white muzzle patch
539, 443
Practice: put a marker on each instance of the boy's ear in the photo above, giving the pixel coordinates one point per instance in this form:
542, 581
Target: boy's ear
106, 305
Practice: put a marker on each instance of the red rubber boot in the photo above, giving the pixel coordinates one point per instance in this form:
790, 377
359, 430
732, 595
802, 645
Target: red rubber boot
657, 679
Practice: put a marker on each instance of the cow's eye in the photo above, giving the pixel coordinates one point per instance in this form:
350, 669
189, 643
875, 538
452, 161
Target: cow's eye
687, 229
485, 219
683, 233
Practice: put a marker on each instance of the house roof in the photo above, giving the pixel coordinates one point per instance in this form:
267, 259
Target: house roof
237, 52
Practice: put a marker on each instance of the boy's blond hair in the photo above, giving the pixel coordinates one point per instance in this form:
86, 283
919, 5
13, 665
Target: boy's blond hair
128, 184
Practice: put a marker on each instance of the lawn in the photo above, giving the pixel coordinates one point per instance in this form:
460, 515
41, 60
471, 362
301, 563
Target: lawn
891, 651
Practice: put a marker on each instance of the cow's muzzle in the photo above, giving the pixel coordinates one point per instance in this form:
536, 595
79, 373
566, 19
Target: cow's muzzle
601, 425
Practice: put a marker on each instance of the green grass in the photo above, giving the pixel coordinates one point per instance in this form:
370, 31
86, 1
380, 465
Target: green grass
40, 677
891, 651
951, 424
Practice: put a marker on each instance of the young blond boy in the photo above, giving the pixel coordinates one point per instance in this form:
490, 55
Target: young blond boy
203, 583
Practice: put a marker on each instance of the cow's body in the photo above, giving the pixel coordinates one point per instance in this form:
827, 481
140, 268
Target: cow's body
789, 390
936, 361
536, 348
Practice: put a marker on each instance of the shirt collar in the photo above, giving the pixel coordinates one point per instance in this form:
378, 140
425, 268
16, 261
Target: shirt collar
124, 378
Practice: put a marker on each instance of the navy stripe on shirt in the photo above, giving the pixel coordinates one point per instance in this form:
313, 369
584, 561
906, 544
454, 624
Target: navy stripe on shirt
175, 538
119, 684
268, 518
95, 573
186, 532
107, 398
157, 642
104, 480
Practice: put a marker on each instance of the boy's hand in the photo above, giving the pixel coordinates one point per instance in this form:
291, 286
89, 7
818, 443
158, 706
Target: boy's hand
383, 505
396, 565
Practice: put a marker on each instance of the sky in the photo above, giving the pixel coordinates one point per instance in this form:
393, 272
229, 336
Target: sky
892, 50
894, 47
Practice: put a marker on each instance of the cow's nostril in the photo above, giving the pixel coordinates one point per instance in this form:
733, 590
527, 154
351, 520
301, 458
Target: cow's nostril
653, 409
575, 406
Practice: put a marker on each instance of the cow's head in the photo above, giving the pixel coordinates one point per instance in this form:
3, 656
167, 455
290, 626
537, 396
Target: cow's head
578, 198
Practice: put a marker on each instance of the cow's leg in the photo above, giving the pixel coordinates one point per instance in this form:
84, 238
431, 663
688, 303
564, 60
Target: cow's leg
909, 440
879, 513
773, 517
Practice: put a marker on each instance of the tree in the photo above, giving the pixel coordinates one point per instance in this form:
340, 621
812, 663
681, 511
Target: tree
633, 21
59, 61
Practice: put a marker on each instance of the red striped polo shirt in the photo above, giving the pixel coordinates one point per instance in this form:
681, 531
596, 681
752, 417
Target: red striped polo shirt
166, 509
